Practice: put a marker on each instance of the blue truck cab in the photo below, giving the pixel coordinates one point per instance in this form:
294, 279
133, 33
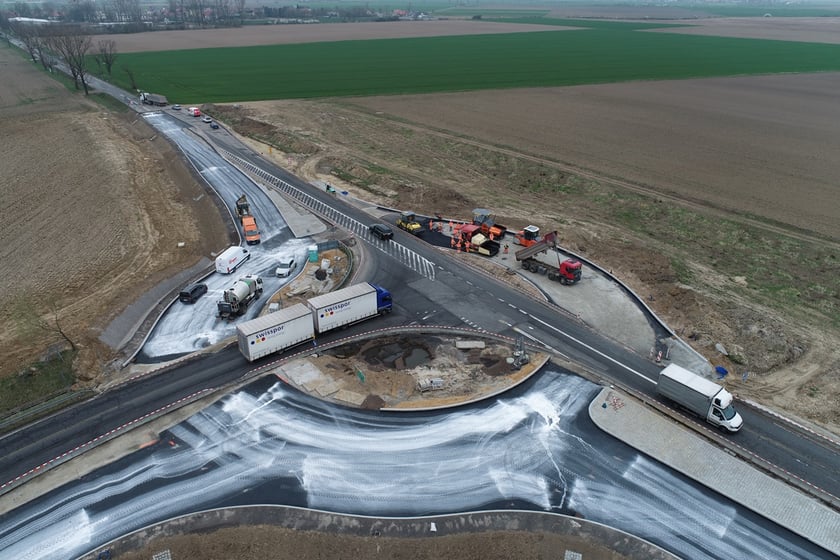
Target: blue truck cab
383, 299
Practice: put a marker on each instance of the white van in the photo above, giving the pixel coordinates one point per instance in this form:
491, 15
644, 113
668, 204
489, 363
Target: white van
231, 259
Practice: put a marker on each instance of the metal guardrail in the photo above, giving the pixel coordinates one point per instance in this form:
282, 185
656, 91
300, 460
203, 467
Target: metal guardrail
43, 408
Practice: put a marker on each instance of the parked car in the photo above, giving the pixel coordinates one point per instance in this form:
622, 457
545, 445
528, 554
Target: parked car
192, 292
381, 231
214, 125
206, 119
176, 107
285, 268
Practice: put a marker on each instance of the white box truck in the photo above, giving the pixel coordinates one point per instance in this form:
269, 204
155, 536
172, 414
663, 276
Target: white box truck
348, 305
231, 258
275, 332
699, 395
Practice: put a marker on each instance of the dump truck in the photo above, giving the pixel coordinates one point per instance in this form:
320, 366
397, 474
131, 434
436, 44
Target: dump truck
408, 222
251, 231
275, 332
283, 329
249, 223
236, 299
485, 220
527, 236
474, 241
566, 272
700, 396
153, 99
243, 208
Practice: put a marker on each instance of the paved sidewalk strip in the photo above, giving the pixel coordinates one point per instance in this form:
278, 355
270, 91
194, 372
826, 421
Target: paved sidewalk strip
664, 440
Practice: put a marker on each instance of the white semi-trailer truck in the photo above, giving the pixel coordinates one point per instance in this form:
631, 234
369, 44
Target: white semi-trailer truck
283, 329
348, 305
699, 395
275, 332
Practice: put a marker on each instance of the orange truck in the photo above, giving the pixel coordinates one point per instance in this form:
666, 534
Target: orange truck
252, 232
249, 223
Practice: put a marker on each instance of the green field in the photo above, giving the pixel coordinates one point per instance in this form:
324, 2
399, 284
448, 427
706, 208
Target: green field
425, 65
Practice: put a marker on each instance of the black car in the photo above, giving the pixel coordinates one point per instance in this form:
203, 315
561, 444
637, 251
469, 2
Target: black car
381, 231
214, 126
192, 292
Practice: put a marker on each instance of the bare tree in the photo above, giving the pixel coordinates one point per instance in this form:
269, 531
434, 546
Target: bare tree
131, 79
6, 27
30, 322
72, 44
107, 53
28, 35
124, 10
240, 9
43, 54
223, 10
82, 11
134, 11
195, 12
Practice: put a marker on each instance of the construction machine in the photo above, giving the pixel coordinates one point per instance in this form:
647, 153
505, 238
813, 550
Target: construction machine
249, 223
408, 222
242, 206
474, 241
528, 236
483, 219
567, 271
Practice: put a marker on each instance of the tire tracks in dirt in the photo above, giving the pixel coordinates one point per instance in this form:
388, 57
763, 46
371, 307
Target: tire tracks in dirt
681, 200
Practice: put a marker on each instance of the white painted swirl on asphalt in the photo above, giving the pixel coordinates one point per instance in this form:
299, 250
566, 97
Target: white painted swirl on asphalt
538, 448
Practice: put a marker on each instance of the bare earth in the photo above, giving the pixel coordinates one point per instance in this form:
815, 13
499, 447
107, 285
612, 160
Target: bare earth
809, 30
763, 145
305, 33
93, 212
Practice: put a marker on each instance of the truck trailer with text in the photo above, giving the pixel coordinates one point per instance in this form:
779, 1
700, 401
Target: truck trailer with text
288, 327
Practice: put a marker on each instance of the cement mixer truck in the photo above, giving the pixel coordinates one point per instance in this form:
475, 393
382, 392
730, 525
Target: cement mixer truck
236, 299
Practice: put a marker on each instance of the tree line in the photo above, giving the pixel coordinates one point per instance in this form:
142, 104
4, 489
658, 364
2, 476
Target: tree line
67, 44
130, 16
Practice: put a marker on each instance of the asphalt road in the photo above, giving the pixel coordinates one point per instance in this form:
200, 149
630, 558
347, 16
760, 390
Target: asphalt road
534, 448
448, 295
